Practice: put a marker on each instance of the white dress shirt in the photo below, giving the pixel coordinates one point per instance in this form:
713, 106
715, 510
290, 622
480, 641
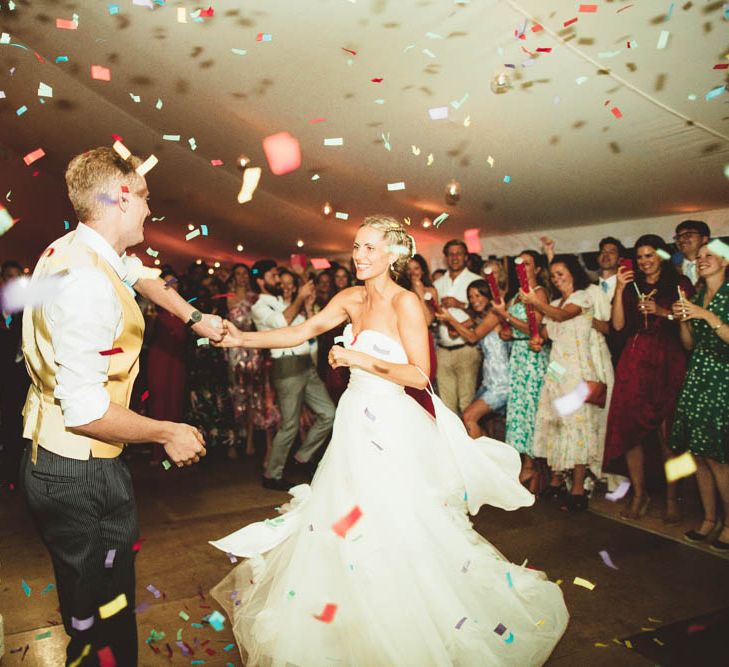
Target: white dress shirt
458, 289
690, 270
601, 301
84, 318
268, 313
608, 285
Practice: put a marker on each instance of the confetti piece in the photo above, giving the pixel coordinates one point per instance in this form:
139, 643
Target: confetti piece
415, 149
166, 464
282, 152
204, 230
171, 137
601, 645
386, 141
152, 253
65, 24
341, 216
264, 37
581, 79
341, 526
327, 616
44, 90
507, 179
26, 588
579, 581
114, 607
619, 492
251, 177
714, 92
392, 187
122, 150
607, 560
145, 395
80, 659
184, 616
82, 624
320, 263
48, 589
203, 342
217, 620
334, 141
616, 112
154, 590
106, 657
377, 79
467, 121
379, 101
658, 641
460, 623
544, 49
472, 237
572, 401
509, 639
429, 53
43, 635
438, 113
663, 39
680, 466
585, 9
440, 220
21, 110
663, 254
31, 157
100, 73
147, 165
500, 629
113, 10
5, 38
113, 350
110, 556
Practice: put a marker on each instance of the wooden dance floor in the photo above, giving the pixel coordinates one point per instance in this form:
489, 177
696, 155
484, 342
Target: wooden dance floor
650, 600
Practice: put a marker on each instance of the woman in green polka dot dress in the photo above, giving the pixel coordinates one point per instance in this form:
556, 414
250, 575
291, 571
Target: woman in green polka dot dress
702, 419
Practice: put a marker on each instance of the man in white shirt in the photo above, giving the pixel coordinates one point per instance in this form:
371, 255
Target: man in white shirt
294, 376
458, 362
690, 236
81, 349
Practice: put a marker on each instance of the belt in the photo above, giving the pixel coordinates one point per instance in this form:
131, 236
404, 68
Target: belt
452, 347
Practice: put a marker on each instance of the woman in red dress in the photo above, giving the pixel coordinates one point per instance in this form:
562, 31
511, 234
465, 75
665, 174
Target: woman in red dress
651, 369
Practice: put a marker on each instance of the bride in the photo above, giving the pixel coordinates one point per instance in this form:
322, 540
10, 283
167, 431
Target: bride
376, 563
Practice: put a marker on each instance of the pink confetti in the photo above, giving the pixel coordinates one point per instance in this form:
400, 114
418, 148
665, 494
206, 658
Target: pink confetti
588, 9
343, 525
216, 163
472, 237
282, 152
320, 263
100, 73
31, 157
66, 24
327, 616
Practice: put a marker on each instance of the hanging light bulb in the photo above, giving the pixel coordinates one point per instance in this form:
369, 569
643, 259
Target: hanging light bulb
211, 271
327, 209
427, 222
243, 161
157, 262
198, 262
190, 226
239, 247
453, 191
500, 83
217, 265
299, 244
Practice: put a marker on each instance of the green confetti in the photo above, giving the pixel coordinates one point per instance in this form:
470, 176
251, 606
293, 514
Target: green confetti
166, 464
43, 635
184, 616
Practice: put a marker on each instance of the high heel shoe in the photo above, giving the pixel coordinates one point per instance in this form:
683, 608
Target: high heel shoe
575, 503
553, 492
633, 512
696, 536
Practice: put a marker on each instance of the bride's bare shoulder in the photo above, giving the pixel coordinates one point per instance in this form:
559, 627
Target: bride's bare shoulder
405, 299
354, 294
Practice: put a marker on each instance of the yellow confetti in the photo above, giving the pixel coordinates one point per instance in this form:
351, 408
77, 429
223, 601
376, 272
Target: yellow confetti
407, 221
251, 176
628, 644
618, 642
558, 582
647, 629
579, 581
654, 620
658, 641
540, 621
680, 466
114, 607
601, 645
416, 150
430, 159
467, 121
84, 653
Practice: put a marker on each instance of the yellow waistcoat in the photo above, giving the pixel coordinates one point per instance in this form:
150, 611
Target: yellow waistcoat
44, 423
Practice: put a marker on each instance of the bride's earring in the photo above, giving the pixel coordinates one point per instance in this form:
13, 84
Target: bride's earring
392, 266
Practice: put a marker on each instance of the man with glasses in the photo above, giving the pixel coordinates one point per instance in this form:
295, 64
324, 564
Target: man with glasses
690, 236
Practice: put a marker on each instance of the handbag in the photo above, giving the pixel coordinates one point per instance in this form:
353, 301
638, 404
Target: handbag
598, 393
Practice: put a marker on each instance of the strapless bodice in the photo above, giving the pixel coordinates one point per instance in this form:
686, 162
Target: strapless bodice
379, 345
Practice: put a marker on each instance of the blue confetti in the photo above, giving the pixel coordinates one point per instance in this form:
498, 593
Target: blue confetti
21, 110
113, 10
507, 179
715, 92
508, 578
61, 59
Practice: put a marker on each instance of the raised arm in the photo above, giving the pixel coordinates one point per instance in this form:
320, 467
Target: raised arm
471, 336
329, 317
414, 336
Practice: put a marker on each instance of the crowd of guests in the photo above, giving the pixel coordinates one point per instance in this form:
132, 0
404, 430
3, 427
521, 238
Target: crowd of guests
578, 362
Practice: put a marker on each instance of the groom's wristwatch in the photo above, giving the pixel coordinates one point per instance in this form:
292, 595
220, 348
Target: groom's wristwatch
195, 317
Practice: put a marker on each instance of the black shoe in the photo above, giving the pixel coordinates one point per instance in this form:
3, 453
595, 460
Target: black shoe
304, 469
276, 484
554, 492
575, 503
718, 545
696, 536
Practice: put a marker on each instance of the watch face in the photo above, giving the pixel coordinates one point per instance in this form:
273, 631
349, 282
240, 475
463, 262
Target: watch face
195, 316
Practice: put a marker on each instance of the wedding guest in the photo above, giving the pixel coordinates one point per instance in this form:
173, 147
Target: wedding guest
342, 278
494, 390
458, 362
437, 273
690, 236
474, 263
570, 442
701, 424
252, 395
651, 368
166, 363
526, 368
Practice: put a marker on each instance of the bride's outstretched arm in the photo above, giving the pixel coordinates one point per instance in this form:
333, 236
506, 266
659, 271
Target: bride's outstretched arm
329, 317
414, 336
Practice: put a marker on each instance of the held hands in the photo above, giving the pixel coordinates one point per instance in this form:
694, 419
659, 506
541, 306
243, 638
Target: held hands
184, 444
451, 302
210, 326
341, 357
232, 336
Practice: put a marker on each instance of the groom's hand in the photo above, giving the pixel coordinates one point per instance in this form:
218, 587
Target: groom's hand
210, 326
184, 444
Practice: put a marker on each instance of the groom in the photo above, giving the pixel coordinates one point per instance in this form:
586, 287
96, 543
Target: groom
82, 349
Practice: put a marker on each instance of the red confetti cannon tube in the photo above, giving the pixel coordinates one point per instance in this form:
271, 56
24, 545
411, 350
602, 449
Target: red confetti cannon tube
524, 284
495, 293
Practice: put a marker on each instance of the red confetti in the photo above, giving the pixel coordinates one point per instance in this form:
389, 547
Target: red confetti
588, 9
36, 172
282, 152
722, 66
124, 188
537, 27
33, 156
216, 163
544, 49
209, 651
354, 53
50, 251
65, 24
100, 73
39, 57
116, 137
207, 12
317, 120
696, 628
138, 544
570, 22
227, 295
145, 395
327, 616
346, 522
113, 350
377, 79
106, 657
616, 112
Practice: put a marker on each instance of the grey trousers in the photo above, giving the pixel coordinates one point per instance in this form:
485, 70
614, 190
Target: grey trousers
82, 509
457, 374
297, 382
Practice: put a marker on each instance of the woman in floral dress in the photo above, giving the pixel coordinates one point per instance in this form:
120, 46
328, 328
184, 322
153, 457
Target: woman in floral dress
526, 369
254, 400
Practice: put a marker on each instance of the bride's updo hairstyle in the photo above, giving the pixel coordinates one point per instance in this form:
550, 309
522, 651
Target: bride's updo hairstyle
397, 240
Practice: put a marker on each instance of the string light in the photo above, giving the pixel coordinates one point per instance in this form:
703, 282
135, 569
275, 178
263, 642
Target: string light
239, 247
299, 244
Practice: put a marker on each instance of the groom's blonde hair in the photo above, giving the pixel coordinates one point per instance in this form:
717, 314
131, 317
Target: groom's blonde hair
396, 237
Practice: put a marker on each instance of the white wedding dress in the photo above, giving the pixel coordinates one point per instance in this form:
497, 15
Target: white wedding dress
413, 583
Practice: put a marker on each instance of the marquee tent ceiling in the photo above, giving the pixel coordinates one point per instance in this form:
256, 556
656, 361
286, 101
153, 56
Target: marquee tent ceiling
607, 117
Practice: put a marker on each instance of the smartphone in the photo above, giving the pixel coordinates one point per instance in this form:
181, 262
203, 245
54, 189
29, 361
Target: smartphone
626, 263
